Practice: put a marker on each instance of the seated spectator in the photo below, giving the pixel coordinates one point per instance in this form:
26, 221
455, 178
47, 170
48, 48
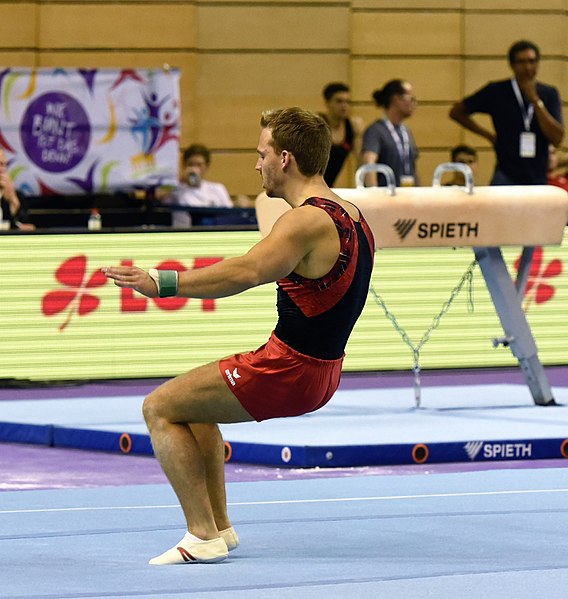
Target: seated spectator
557, 169
10, 206
466, 155
193, 189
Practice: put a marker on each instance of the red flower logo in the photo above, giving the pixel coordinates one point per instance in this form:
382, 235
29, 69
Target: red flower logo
75, 299
538, 287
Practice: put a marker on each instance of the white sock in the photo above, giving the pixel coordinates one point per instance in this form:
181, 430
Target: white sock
191, 538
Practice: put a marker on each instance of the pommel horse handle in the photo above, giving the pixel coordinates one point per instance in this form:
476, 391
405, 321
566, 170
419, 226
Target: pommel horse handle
448, 167
387, 171
384, 169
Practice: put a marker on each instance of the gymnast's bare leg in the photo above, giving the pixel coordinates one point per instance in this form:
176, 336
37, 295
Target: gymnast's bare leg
181, 416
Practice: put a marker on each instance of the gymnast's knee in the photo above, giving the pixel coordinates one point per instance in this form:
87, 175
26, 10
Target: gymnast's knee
153, 409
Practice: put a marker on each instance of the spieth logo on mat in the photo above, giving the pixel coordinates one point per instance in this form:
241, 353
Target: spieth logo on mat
498, 451
472, 448
75, 297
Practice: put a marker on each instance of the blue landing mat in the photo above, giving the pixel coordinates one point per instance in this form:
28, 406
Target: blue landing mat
358, 427
469, 535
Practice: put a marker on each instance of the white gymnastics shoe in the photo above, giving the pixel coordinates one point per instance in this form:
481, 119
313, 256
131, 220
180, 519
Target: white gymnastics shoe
193, 550
230, 537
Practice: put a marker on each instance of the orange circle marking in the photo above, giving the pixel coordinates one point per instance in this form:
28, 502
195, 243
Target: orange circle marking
228, 451
125, 443
564, 448
420, 453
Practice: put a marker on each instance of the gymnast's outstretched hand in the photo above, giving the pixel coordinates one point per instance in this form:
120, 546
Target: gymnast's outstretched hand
132, 277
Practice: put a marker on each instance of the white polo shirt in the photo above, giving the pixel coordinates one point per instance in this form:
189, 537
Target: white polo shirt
207, 195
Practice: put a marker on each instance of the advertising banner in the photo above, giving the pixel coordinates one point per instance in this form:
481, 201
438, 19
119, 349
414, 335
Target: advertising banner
61, 319
82, 131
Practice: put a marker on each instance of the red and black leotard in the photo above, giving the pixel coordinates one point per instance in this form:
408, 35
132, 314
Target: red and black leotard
316, 316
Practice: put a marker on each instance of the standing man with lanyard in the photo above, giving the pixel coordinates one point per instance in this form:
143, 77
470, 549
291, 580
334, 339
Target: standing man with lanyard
526, 116
388, 141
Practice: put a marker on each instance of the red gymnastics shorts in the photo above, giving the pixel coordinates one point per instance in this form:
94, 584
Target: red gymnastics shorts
276, 381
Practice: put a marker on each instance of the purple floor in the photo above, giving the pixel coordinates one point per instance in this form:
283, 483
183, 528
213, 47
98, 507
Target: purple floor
26, 467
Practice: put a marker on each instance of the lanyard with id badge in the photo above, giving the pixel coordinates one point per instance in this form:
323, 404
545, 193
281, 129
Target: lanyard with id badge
402, 142
527, 139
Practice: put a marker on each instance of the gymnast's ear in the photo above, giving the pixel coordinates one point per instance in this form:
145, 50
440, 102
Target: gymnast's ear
286, 158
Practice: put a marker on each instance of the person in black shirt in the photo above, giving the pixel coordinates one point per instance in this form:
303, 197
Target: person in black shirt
346, 130
526, 117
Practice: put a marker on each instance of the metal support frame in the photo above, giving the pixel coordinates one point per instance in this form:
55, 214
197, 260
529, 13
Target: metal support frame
507, 298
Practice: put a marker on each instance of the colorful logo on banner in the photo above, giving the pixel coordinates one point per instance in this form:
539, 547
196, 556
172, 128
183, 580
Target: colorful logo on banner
74, 131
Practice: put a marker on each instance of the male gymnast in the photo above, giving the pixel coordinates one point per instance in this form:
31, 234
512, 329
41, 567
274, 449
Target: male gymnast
320, 253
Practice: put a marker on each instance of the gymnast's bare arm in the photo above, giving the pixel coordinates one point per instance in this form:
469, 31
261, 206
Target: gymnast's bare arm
303, 240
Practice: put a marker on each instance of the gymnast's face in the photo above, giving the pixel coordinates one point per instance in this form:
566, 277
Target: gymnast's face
269, 165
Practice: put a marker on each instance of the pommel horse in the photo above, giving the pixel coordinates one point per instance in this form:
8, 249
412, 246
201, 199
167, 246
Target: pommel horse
484, 218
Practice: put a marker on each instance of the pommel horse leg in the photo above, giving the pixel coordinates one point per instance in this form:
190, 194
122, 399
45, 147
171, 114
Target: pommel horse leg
508, 303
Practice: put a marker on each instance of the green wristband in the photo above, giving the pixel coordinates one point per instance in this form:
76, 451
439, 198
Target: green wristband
168, 283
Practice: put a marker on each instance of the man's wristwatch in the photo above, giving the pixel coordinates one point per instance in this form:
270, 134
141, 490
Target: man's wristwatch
539, 103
